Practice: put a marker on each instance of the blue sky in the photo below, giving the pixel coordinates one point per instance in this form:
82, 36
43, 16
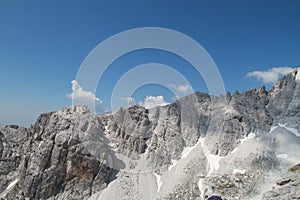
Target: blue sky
43, 43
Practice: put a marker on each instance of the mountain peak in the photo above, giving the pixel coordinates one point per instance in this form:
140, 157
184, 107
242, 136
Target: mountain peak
199, 146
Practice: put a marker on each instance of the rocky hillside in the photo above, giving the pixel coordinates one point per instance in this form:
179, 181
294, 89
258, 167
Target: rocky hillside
236, 146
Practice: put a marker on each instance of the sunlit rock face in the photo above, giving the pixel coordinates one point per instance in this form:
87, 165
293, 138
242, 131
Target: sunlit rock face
13, 140
234, 146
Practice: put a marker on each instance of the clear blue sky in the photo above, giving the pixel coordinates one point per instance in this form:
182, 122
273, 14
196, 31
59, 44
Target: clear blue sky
43, 43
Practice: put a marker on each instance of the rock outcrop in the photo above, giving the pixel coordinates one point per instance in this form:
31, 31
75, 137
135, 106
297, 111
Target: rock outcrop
287, 187
54, 162
13, 141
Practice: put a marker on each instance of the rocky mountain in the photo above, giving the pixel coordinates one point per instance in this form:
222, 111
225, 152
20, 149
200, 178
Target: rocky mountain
240, 146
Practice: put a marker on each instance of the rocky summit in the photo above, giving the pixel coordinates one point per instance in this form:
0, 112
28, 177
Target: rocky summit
240, 146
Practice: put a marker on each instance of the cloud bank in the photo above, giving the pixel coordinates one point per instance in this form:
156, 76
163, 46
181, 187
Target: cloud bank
153, 101
80, 96
182, 89
128, 100
269, 76
149, 101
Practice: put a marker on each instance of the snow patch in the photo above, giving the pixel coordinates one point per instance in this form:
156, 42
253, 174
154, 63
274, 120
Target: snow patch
158, 181
187, 150
294, 131
298, 76
201, 188
213, 160
249, 137
12, 184
273, 128
282, 156
114, 146
229, 110
184, 154
106, 130
239, 171
234, 150
174, 162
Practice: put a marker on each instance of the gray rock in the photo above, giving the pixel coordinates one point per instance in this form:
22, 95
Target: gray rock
72, 154
283, 181
57, 164
13, 140
287, 188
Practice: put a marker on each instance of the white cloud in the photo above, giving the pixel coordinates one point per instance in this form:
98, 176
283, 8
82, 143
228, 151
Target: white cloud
81, 96
182, 89
269, 76
153, 101
128, 100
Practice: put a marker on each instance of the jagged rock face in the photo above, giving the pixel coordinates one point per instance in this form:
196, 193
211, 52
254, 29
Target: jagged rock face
56, 163
12, 141
284, 103
177, 126
166, 142
72, 154
162, 131
129, 129
244, 113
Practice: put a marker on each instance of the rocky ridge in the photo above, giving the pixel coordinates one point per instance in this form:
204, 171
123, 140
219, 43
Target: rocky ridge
231, 145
